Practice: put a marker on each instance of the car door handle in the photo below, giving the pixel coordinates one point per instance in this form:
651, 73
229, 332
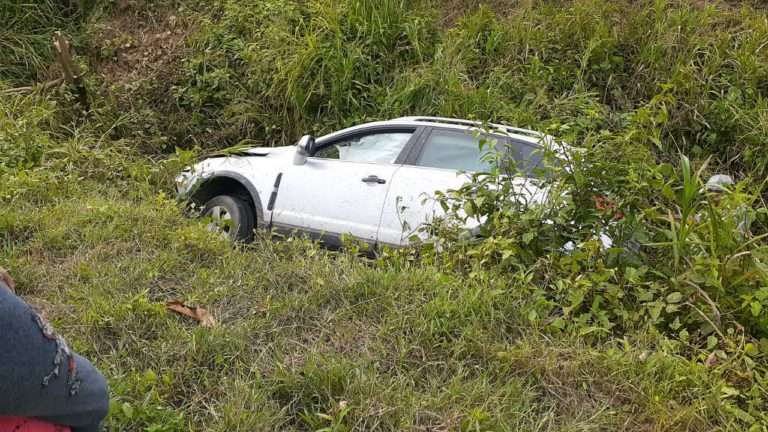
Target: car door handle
373, 179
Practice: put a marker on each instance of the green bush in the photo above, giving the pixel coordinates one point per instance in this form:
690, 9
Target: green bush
689, 262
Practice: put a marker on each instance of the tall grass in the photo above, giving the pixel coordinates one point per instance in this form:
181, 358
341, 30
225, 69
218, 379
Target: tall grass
324, 59
679, 76
26, 49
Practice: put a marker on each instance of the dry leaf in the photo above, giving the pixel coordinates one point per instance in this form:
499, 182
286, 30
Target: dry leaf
711, 360
7, 280
201, 315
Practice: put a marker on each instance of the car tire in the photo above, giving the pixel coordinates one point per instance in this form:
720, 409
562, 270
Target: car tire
231, 216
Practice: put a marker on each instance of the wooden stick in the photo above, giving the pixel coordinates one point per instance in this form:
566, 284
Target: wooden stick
71, 71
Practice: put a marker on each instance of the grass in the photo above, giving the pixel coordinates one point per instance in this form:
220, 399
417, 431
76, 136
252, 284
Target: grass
303, 332
507, 335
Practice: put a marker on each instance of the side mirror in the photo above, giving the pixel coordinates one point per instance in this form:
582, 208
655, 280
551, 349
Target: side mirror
303, 149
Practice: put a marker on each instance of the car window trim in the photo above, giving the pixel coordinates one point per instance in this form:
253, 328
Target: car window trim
411, 145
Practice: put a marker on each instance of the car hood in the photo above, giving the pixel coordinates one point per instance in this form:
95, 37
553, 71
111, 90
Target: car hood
264, 151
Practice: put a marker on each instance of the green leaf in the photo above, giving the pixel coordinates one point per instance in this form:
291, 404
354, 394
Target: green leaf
728, 391
558, 323
655, 310
755, 308
763, 344
667, 192
533, 315
469, 208
711, 342
150, 376
127, 410
644, 295
751, 350
675, 297
527, 237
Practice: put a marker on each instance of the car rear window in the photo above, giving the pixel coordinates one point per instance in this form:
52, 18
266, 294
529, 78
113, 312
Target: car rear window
462, 151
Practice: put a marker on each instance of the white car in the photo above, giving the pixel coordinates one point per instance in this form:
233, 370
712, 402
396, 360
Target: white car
371, 181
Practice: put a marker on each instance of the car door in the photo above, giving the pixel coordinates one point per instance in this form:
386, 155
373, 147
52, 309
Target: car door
343, 186
442, 160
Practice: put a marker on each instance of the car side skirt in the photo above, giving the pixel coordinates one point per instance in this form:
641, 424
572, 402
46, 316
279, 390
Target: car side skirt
328, 239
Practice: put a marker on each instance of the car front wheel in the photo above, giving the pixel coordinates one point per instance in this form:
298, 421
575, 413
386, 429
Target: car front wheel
231, 216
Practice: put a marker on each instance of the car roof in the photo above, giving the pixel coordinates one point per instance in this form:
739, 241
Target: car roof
526, 135
445, 122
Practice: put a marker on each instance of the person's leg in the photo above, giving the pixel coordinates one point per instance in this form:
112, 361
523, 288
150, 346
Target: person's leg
40, 377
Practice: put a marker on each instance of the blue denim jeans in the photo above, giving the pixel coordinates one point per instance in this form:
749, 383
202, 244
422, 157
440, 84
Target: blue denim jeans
40, 377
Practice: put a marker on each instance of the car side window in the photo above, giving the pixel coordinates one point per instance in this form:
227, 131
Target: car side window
383, 147
529, 159
526, 157
456, 150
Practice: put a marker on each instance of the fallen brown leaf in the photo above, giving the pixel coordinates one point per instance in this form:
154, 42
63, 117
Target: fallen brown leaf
711, 361
201, 315
7, 280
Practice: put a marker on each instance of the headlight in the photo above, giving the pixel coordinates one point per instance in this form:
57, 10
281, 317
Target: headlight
183, 181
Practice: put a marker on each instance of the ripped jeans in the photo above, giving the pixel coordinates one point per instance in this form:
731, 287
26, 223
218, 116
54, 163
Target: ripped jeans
40, 377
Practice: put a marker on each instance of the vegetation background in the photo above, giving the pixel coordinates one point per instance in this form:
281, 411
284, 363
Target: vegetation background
667, 332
